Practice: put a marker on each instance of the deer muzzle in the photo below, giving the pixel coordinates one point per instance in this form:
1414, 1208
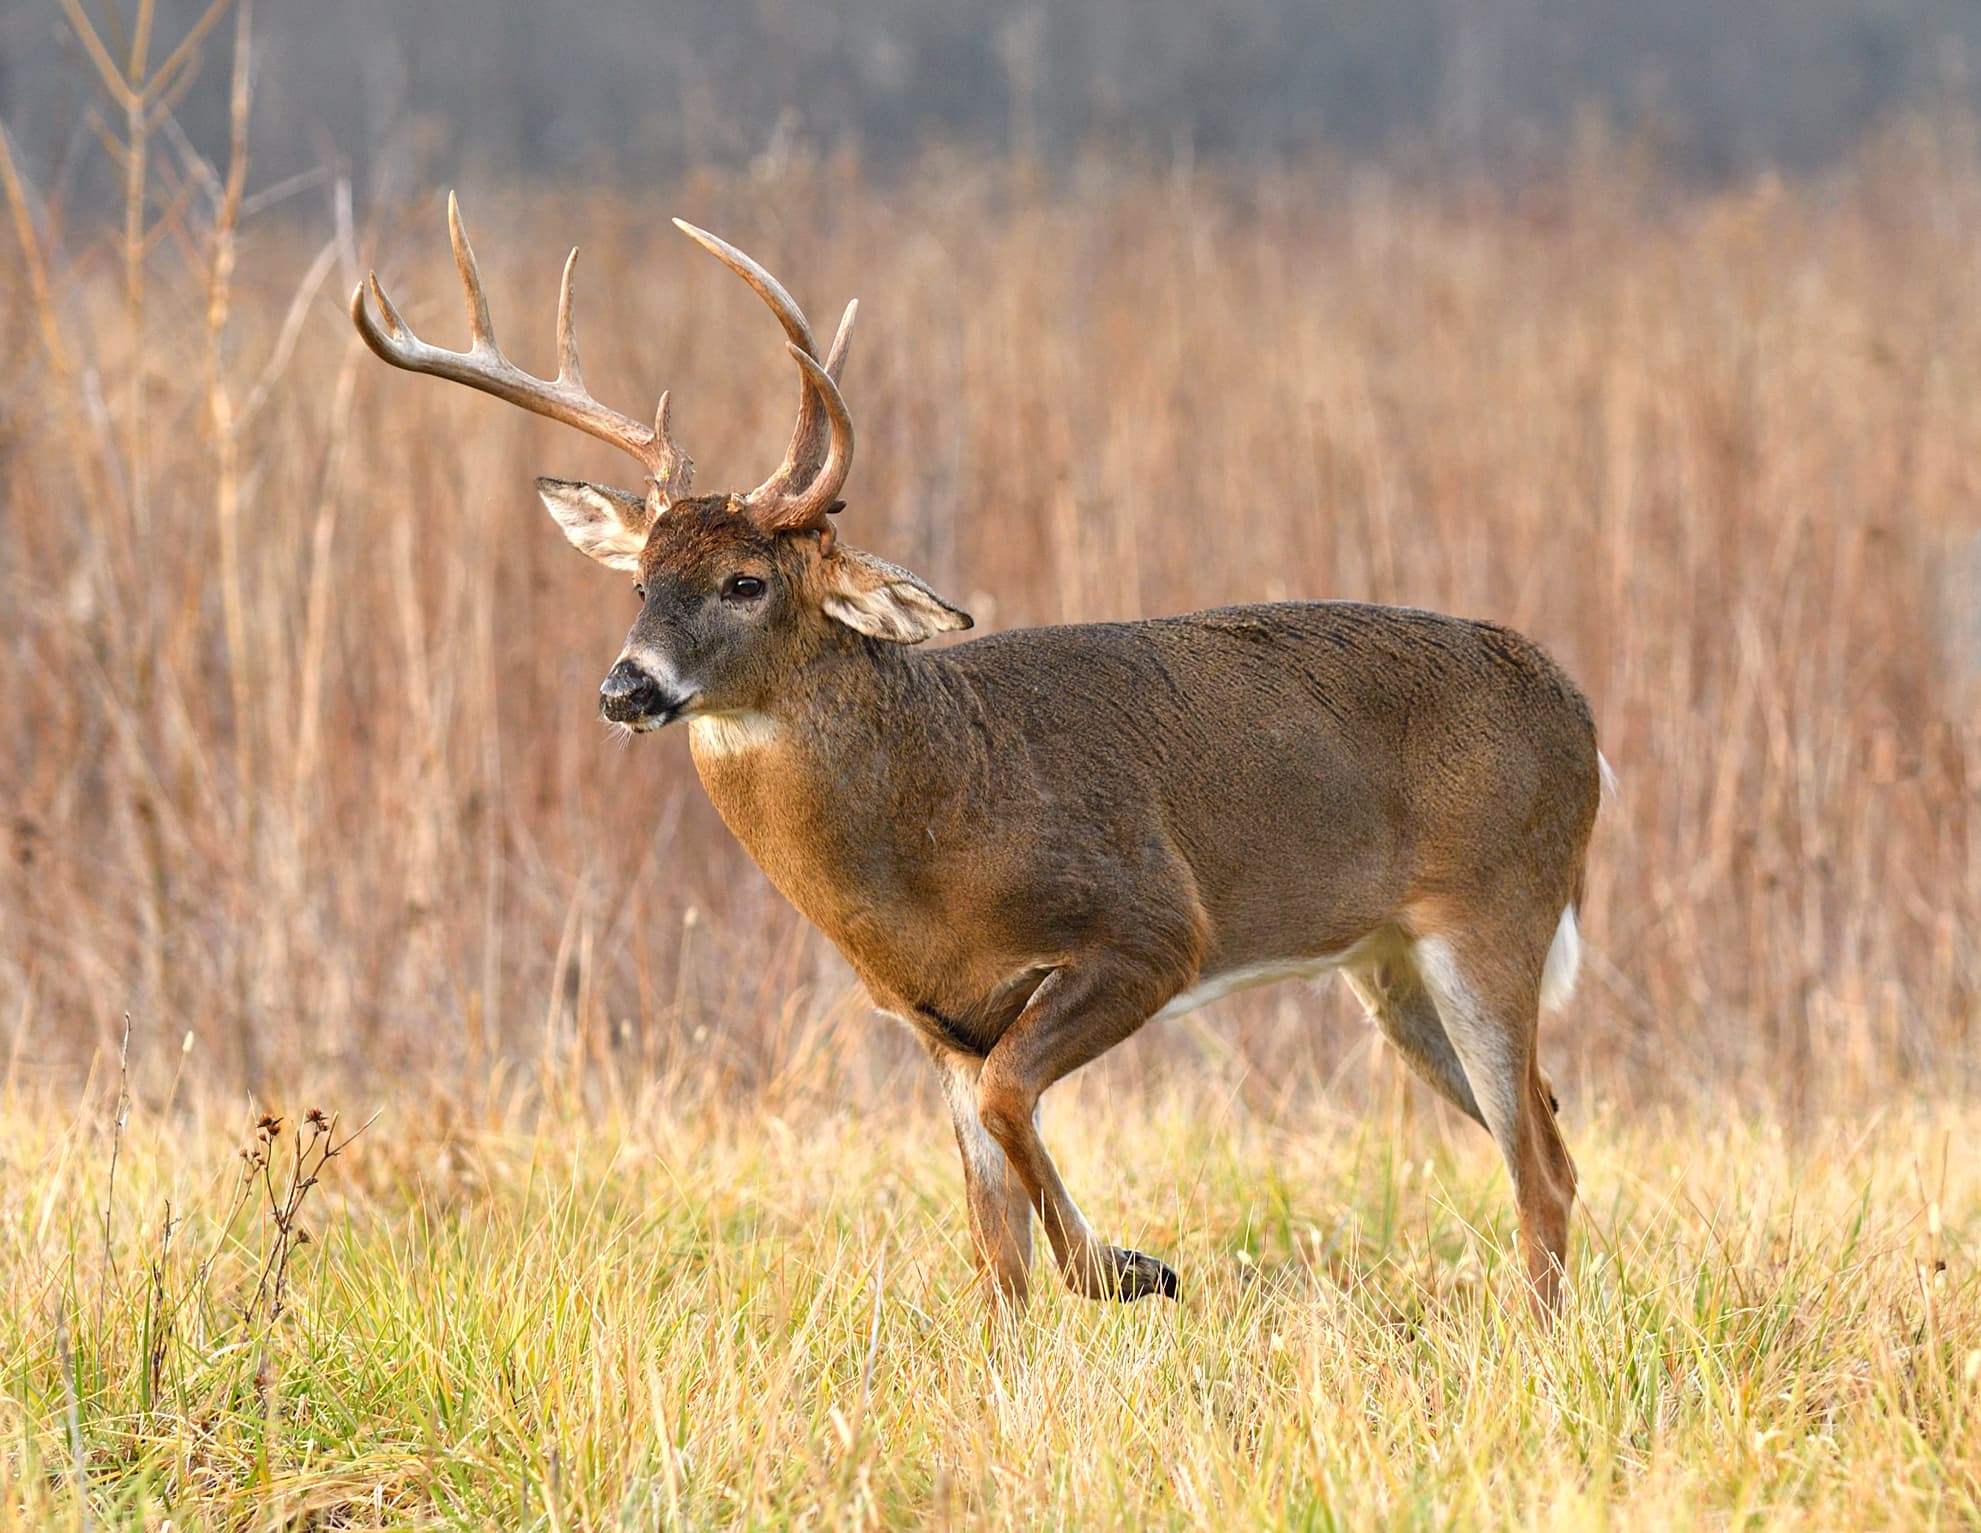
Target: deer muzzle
629, 696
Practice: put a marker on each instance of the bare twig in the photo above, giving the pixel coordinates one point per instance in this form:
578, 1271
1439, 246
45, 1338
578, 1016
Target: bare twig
33, 259
183, 53
316, 611
159, 1315
288, 187
243, 1190
106, 67
291, 332
67, 1358
226, 433
137, 137
140, 43
116, 1149
198, 167
35, 251
873, 1345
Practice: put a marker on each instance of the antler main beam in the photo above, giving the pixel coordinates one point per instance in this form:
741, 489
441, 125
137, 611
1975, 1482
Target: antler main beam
483, 366
799, 496
807, 483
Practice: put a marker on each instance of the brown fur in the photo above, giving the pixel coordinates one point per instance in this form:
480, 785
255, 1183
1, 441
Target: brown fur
1030, 845
1026, 845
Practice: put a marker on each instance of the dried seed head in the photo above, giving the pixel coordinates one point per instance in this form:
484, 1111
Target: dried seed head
316, 1118
268, 1124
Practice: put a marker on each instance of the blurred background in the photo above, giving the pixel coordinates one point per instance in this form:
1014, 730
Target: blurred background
623, 92
1651, 330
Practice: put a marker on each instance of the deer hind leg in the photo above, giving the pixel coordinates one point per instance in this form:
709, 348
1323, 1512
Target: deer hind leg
1076, 1015
1393, 994
1488, 996
1000, 1209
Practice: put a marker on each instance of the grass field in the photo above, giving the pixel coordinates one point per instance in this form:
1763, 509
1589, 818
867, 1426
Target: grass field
698, 1316
300, 774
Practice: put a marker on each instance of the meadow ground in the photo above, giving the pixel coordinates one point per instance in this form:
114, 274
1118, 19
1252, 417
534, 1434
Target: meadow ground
299, 765
652, 1314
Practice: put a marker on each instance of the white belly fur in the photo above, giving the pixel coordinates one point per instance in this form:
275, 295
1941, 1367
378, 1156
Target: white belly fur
1210, 986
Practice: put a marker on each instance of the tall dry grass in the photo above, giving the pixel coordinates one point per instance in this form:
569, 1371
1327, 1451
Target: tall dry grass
298, 756
300, 773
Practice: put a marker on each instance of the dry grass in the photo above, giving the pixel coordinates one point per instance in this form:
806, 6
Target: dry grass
347, 807
298, 768
686, 1314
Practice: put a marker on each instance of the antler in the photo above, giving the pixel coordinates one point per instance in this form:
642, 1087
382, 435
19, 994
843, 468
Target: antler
806, 485
483, 366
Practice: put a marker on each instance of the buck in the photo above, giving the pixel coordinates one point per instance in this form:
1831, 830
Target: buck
1031, 844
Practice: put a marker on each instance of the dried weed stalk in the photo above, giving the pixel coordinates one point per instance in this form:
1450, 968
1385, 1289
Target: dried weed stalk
314, 1145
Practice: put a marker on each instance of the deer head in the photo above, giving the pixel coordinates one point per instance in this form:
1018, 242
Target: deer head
737, 590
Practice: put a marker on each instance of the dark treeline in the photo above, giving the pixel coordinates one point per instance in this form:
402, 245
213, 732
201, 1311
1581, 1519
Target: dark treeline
620, 88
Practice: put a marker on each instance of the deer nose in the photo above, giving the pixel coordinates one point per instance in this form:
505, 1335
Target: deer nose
629, 693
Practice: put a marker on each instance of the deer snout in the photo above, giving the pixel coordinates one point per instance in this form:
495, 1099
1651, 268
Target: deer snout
628, 695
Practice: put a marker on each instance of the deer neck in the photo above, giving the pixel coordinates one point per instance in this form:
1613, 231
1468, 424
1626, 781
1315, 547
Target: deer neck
812, 784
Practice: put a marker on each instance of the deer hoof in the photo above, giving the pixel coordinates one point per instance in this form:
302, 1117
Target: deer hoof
1137, 1277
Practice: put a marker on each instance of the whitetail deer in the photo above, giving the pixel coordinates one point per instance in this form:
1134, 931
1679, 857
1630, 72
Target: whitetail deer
1029, 845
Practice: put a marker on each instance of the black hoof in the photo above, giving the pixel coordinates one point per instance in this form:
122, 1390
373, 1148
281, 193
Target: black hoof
1140, 1276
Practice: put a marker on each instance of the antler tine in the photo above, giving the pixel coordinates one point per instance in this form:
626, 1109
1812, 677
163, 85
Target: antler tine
483, 366
393, 322
842, 341
480, 327
809, 507
676, 470
568, 370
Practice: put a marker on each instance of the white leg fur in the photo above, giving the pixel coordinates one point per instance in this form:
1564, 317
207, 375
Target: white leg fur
1564, 959
1479, 1040
959, 1090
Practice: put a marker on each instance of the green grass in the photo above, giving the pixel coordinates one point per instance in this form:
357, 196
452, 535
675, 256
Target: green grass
642, 1317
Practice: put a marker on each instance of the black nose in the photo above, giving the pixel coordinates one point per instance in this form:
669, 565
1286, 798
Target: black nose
629, 693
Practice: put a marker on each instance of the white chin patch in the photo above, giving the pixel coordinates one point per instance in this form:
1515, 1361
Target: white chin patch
733, 734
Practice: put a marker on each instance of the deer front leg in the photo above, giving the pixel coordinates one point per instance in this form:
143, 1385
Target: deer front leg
1076, 1015
1000, 1210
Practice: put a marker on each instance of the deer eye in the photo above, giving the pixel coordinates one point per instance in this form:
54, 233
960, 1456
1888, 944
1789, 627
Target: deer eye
742, 588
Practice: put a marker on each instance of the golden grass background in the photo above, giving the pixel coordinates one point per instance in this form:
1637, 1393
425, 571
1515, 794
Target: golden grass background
657, 1225
335, 803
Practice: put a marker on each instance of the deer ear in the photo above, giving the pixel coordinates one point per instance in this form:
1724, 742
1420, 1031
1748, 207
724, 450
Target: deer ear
884, 601
610, 525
